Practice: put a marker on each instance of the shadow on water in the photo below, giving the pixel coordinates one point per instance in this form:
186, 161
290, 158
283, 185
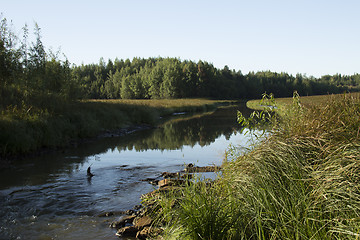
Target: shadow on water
52, 195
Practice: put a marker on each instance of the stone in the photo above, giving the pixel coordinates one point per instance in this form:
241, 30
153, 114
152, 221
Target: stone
164, 182
143, 234
170, 182
129, 231
129, 212
142, 222
147, 232
137, 207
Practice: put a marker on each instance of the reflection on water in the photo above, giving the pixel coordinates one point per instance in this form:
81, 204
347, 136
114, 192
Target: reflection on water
50, 197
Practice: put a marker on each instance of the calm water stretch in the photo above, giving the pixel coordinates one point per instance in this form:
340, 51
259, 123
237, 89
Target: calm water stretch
50, 197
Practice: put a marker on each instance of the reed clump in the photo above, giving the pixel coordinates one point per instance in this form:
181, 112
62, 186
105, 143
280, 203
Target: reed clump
301, 182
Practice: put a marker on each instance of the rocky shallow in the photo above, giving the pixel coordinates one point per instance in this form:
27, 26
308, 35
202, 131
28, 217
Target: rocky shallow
139, 221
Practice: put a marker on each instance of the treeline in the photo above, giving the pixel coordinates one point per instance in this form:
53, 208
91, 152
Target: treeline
32, 76
173, 78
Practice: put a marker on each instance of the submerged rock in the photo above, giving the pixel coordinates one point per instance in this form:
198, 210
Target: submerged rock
122, 221
129, 231
106, 214
170, 175
152, 181
109, 214
129, 212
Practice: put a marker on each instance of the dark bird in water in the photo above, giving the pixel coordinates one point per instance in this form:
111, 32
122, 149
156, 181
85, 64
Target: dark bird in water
89, 174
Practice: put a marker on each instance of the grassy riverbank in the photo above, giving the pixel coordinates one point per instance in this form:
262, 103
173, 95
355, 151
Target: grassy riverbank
32, 128
301, 182
306, 101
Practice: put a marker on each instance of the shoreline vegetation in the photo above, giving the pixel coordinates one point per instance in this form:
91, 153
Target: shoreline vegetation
300, 182
66, 124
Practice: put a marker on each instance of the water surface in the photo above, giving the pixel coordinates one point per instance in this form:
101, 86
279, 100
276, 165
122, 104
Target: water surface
50, 197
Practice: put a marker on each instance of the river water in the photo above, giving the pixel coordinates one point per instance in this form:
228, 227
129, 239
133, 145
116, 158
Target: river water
50, 197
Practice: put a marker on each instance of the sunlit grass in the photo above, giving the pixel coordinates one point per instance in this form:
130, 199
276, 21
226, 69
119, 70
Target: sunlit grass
306, 101
301, 182
162, 103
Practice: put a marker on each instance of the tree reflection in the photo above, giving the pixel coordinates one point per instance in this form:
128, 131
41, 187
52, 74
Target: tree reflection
200, 129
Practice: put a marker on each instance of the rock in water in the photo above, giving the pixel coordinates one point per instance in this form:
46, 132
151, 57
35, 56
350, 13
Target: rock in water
122, 222
129, 231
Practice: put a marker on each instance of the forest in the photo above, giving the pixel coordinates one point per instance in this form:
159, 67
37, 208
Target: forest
33, 76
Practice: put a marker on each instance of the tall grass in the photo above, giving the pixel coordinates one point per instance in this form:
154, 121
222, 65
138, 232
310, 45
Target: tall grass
301, 182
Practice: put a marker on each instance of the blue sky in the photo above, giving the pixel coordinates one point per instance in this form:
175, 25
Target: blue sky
313, 37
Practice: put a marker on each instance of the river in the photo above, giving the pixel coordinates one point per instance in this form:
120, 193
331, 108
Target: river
50, 196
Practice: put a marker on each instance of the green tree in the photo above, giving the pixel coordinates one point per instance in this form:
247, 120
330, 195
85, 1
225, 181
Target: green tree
125, 91
37, 61
155, 79
10, 54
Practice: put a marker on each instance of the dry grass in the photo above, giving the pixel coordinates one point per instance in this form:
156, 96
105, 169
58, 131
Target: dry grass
163, 103
306, 101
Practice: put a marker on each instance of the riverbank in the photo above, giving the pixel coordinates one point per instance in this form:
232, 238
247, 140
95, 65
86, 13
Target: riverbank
282, 103
301, 182
32, 130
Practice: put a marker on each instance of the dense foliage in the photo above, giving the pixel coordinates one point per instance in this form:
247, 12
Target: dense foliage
31, 76
174, 78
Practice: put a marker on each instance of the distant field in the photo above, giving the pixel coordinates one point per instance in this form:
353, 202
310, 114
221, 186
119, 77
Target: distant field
304, 100
163, 103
